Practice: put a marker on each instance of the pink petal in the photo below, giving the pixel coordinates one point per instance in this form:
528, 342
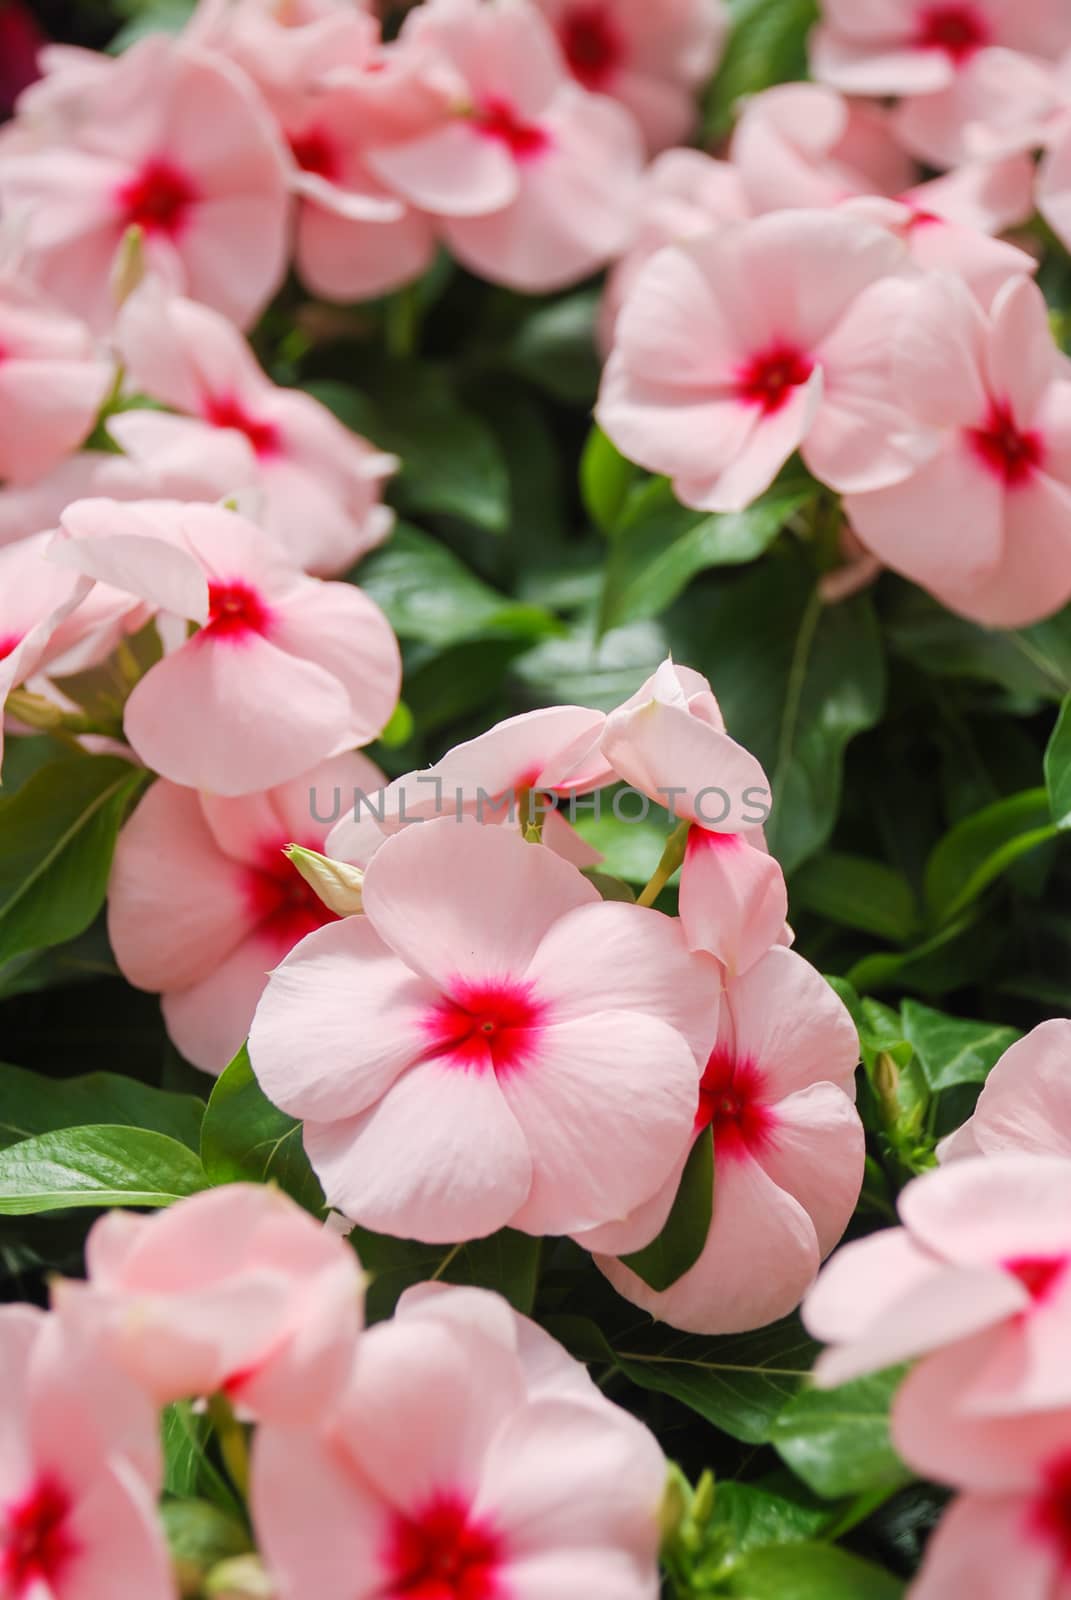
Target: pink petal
339, 1021
982, 1548
451, 172
467, 1166
760, 1258
733, 900
606, 1109
336, 628
444, 895
787, 1020
116, 1528
698, 772
208, 1020
989, 1211
1025, 1103
816, 1153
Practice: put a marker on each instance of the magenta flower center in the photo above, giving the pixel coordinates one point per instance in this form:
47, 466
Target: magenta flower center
8, 645
227, 411
443, 1554
1039, 1275
496, 119
158, 198
314, 152
1012, 453
285, 906
592, 44
1050, 1514
35, 1540
235, 610
769, 378
732, 1105
958, 30
486, 1027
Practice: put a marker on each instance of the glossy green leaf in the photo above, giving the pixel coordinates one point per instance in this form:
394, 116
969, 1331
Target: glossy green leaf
952, 1050
450, 460
57, 836
555, 348
31, 1104
605, 478
507, 1262
1058, 768
680, 1244
810, 1572
982, 848
96, 1166
768, 45
245, 1139
431, 596
837, 1440
857, 893
656, 551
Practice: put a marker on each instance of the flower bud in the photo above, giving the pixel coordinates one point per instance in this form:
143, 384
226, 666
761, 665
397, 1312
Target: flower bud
337, 883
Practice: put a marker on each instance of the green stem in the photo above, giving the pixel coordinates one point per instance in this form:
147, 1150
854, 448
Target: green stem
450, 1256
672, 856
402, 322
232, 1442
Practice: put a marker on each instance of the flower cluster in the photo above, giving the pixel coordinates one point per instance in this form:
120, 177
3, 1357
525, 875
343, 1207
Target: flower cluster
422, 1457
976, 1284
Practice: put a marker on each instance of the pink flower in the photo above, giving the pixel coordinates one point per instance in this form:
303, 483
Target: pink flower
778, 1099
531, 178
980, 1271
654, 59
1015, 1540
915, 47
993, 395
173, 142
202, 902
937, 244
803, 145
735, 350
1025, 1103
511, 773
281, 47
318, 485
236, 1291
669, 742
470, 1459
1001, 102
52, 382
283, 671
1054, 187
489, 1044
79, 1471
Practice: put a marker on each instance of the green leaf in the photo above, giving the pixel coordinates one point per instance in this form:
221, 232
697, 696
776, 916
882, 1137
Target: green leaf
657, 550
245, 1139
837, 1440
980, 849
555, 348
188, 1468
857, 893
431, 596
951, 1050
1031, 663
1058, 768
768, 45
96, 1166
796, 681
739, 1384
753, 1519
451, 461
507, 1262
57, 836
605, 478
31, 1104
680, 1244
810, 1572
630, 850
199, 1536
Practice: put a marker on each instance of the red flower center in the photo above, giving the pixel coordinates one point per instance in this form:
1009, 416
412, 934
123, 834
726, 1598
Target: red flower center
496, 119
593, 46
958, 30
157, 199
314, 152
1050, 1514
1039, 1275
8, 645
1012, 454
227, 411
442, 1554
485, 1027
285, 906
731, 1103
235, 610
35, 1541
769, 378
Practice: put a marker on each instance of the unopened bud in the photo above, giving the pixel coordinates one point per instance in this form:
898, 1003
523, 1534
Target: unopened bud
336, 882
129, 267
243, 1578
